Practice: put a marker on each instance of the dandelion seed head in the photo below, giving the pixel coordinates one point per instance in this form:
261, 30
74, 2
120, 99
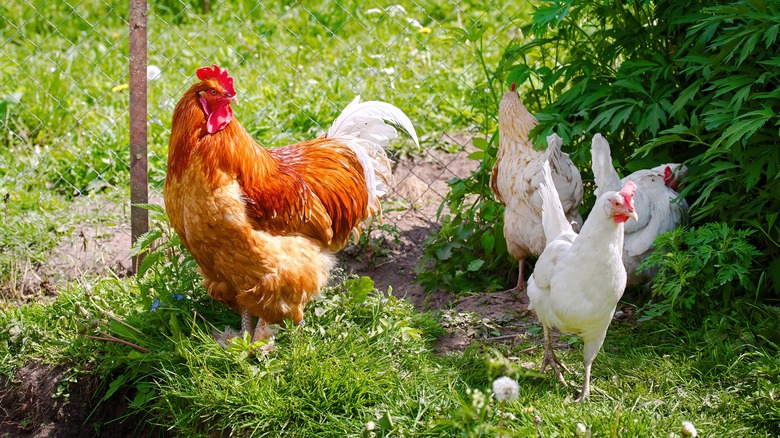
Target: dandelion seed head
688, 429
153, 72
505, 389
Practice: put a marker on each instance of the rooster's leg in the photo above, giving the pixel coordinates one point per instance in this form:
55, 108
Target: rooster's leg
246, 322
223, 338
549, 357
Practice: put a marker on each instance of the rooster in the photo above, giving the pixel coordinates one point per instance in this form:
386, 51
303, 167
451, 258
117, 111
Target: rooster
656, 203
516, 176
579, 279
263, 224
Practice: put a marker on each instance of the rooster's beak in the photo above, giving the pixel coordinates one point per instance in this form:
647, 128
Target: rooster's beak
234, 100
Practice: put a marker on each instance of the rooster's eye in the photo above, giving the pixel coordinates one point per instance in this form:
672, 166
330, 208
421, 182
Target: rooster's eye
213, 92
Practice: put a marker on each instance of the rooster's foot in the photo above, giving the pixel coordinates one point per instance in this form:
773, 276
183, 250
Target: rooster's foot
223, 338
262, 331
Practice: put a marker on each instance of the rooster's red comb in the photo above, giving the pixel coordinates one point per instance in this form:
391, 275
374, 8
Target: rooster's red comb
220, 75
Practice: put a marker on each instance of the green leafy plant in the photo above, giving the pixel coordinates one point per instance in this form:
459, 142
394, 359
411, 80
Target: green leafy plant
664, 82
699, 269
469, 252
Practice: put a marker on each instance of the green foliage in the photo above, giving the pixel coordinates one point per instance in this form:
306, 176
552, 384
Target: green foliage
469, 251
363, 358
664, 82
700, 270
728, 63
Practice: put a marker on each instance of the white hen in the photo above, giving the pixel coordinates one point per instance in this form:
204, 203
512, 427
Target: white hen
516, 176
579, 279
655, 202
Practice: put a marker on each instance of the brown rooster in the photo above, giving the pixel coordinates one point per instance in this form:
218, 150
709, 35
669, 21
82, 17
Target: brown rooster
516, 177
263, 224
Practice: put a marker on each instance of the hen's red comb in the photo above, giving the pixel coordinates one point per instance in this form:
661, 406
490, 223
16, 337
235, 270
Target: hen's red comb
627, 192
221, 75
513, 86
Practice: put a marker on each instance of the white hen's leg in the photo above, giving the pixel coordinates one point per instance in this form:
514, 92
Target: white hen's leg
520, 287
549, 357
589, 352
585, 392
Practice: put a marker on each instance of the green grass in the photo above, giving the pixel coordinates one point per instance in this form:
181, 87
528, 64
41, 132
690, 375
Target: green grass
364, 356
64, 97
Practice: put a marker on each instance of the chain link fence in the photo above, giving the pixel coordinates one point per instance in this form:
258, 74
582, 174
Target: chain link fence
64, 107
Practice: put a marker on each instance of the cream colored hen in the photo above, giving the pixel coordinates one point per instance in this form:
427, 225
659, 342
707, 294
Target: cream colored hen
516, 177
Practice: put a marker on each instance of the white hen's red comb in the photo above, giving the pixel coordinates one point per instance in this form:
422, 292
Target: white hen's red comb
627, 192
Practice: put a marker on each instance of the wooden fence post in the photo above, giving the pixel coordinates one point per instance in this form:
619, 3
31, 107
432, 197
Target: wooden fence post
139, 180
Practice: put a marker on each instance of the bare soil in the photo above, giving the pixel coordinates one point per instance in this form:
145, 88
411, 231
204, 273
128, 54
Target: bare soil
30, 404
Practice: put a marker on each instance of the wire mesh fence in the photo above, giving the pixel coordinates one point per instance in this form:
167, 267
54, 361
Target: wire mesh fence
64, 107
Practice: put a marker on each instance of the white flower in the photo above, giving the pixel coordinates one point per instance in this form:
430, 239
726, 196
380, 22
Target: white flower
395, 10
414, 23
581, 429
370, 426
688, 429
505, 389
153, 72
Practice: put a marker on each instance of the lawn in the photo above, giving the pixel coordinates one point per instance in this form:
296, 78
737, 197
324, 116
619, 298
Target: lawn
64, 90
136, 354
364, 357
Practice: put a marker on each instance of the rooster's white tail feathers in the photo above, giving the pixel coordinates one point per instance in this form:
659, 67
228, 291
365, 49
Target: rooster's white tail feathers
367, 127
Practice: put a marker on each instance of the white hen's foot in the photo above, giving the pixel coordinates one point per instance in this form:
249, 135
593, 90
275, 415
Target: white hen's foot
550, 359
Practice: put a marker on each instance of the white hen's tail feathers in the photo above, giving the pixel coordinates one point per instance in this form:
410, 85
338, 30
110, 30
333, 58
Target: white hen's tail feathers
604, 173
554, 219
367, 128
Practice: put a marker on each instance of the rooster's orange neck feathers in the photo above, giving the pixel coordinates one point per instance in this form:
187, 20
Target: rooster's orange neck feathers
198, 122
